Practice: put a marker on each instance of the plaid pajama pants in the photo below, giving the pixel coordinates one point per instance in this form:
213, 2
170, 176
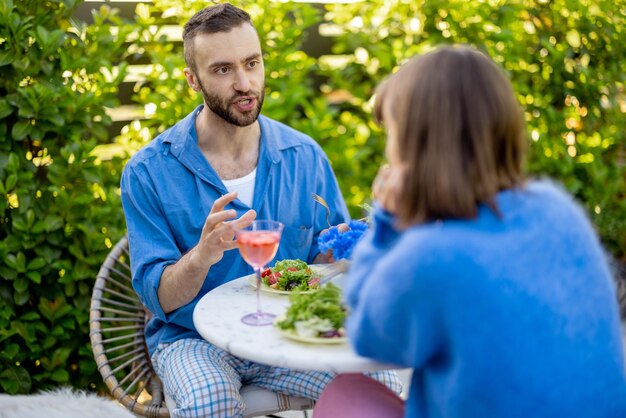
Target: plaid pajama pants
204, 380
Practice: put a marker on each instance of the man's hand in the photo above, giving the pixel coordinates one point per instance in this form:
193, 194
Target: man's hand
182, 281
218, 234
327, 257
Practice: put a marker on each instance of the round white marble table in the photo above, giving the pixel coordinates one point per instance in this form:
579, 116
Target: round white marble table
217, 318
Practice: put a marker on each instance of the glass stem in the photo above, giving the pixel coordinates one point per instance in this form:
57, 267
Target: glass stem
258, 292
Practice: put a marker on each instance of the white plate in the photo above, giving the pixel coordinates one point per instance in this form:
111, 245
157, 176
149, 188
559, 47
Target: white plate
319, 269
290, 334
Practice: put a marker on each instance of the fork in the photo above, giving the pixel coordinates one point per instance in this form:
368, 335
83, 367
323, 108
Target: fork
319, 199
335, 269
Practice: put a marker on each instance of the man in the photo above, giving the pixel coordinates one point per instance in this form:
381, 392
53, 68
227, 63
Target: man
222, 164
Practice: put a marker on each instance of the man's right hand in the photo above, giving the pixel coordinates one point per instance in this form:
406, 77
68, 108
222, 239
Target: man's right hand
218, 232
182, 281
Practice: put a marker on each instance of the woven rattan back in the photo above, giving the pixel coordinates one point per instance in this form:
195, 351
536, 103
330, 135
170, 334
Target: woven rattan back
116, 323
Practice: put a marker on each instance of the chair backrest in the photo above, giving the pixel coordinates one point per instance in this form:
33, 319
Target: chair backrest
116, 329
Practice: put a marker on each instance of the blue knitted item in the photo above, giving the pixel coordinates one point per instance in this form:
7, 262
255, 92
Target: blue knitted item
342, 243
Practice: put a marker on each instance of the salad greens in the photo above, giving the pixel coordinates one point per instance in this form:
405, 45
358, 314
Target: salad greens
318, 314
290, 275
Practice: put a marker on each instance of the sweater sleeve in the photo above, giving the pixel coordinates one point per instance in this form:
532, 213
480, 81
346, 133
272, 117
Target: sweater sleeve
376, 241
392, 298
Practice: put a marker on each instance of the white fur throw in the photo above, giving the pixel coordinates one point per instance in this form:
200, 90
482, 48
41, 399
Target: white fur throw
61, 403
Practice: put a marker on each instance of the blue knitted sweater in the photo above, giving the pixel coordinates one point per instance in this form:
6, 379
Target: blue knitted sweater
511, 316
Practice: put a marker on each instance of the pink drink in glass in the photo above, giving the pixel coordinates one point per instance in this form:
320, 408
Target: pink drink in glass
258, 247
258, 244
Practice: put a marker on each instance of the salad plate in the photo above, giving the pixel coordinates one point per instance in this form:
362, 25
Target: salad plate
292, 335
319, 270
266, 288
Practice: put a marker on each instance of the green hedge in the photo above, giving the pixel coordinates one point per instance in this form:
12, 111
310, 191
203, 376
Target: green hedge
60, 209
59, 172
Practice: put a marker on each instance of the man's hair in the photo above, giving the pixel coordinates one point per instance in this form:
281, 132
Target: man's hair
220, 18
460, 133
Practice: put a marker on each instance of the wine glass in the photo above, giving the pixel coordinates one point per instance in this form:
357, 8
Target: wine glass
258, 244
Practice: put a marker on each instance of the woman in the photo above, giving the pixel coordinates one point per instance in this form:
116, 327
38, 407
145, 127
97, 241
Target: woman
493, 288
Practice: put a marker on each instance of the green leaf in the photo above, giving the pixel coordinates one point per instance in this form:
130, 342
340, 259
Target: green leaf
56, 38
14, 163
68, 322
48, 253
20, 285
6, 6
5, 317
49, 342
58, 120
53, 222
36, 263
21, 129
54, 309
10, 351
11, 261
20, 261
6, 58
81, 271
30, 217
42, 34
58, 331
10, 182
30, 316
21, 298
5, 108
34, 276
7, 273
77, 251
60, 376
15, 379
63, 310
39, 227
20, 224
60, 356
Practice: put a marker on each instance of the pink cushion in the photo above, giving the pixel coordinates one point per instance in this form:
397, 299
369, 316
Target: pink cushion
354, 395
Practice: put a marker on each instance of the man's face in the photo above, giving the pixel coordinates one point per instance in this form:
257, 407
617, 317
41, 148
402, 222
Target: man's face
230, 74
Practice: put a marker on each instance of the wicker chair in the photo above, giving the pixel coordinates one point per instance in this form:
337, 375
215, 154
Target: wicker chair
116, 322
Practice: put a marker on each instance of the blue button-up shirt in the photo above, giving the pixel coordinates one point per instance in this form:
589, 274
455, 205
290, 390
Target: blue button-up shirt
168, 189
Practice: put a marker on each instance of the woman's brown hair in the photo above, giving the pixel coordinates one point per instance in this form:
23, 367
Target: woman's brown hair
460, 133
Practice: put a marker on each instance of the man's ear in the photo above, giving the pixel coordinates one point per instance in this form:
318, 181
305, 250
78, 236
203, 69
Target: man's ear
192, 80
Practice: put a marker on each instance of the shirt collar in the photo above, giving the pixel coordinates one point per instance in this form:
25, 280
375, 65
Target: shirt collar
181, 135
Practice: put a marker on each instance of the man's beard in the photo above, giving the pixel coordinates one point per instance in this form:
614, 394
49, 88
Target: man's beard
221, 107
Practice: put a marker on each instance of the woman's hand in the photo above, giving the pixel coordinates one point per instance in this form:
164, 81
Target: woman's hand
387, 186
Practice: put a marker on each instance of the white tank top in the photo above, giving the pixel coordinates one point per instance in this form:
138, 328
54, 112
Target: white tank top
244, 186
